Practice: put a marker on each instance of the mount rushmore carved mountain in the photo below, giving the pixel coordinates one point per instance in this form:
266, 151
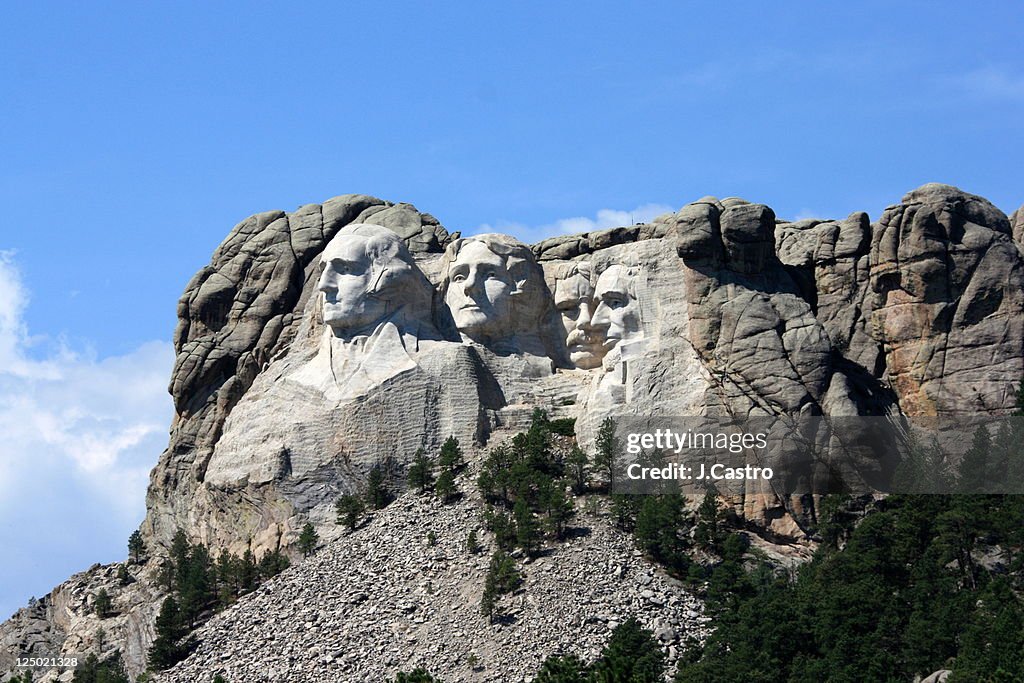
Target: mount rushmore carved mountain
321, 343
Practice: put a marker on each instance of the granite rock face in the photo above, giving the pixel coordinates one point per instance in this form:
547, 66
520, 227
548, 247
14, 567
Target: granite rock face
300, 368
948, 282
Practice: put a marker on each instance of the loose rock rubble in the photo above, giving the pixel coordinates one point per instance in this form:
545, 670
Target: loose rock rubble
382, 600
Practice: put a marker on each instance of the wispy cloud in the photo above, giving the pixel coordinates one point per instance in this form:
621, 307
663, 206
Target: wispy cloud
991, 82
80, 434
602, 219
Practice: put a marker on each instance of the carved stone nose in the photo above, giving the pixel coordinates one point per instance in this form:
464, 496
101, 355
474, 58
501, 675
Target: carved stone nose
326, 281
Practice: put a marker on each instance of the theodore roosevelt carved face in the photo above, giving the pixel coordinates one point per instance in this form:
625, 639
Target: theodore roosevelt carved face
618, 311
576, 304
367, 275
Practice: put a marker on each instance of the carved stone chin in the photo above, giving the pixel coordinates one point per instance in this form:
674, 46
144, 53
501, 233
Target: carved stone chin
576, 304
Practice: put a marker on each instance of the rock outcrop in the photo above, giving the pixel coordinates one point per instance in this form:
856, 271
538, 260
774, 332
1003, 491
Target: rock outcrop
299, 368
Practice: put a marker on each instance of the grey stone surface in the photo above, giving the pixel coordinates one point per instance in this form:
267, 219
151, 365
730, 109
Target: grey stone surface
382, 600
948, 283
726, 311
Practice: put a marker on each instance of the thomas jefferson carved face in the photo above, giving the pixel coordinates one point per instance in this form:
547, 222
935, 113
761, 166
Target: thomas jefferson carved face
366, 276
574, 299
618, 312
480, 291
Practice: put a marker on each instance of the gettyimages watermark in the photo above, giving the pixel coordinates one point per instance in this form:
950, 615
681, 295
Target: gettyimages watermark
819, 455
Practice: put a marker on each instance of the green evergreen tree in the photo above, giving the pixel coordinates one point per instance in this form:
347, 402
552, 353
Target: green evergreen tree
195, 584
136, 547
445, 486
227, 572
502, 577
248, 574
102, 605
607, 448
123, 577
974, 470
527, 529
421, 472
624, 509
349, 509
419, 675
451, 455
631, 656
578, 466
377, 494
472, 544
308, 540
658, 524
167, 648
219, 679
559, 509
93, 670
707, 532
559, 669
501, 524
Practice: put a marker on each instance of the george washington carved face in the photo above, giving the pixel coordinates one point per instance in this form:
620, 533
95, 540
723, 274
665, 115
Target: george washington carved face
367, 275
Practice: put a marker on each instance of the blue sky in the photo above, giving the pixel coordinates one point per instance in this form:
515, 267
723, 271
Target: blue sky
134, 135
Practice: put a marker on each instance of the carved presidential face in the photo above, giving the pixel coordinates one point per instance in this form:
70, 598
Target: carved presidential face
618, 312
350, 304
480, 291
574, 299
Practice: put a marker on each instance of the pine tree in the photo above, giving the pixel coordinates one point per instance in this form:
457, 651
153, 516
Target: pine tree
624, 508
502, 577
657, 529
167, 649
377, 493
349, 510
578, 465
500, 523
527, 529
123, 577
102, 604
195, 584
974, 466
92, 670
419, 675
631, 656
568, 669
445, 486
607, 446
451, 455
308, 540
559, 509
421, 472
227, 578
247, 574
708, 533
136, 547
472, 544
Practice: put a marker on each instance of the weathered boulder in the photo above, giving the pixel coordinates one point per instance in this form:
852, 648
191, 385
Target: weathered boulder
949, 286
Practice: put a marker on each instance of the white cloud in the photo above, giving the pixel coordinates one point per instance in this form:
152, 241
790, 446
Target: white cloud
79, 436
991, 82
604, 218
